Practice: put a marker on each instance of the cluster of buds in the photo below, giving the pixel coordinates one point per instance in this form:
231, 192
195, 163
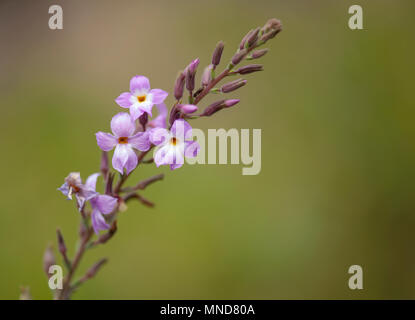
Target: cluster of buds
136, 132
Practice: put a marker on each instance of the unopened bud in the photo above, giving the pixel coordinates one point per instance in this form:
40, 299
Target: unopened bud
231, 102
95, 268
238, 56
25, 293
174, 114
187, 108
272, 24
192, 67
243, 41
233, 85
269, 35
252, 38
259, 53
207, 75
104, 163
143, 119
190, 80
48, 260
250, 68
213, 108
61, 242
179, 86
217, 53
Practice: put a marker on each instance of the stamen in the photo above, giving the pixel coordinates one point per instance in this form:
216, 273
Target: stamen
141, 98
173, 141
122, 140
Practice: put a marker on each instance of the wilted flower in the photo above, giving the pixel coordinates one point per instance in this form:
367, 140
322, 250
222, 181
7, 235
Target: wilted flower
174, 145
73, 185
124, 140
101, 204
141, 98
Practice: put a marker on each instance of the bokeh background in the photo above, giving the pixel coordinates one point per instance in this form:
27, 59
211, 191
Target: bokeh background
336, 109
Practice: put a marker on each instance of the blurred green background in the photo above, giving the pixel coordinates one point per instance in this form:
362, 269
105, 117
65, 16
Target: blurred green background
338, 160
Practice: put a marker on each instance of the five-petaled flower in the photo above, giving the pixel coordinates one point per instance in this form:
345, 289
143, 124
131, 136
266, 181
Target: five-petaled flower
174, 145
73, 185
101, 204
141, 97
124, 140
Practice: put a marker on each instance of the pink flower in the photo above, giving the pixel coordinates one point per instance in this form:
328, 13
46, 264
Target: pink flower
174, 145
101, 204
141, 98
124, 141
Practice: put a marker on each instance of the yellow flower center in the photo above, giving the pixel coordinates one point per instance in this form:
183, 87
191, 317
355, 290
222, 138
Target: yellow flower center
141, 98
122, 140
173, 141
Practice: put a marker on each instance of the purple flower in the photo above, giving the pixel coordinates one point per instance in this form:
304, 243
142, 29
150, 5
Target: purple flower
160, 120
101, 204
141, 98
73, 185
124, 140
174, 145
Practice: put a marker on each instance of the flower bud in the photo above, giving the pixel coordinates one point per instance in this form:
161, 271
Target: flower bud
192, 67
143, 119
253, 37
187, 108
233, 85
272, 24
48, 260
243, 41
269, 35
95, 268
61, 242
213, 108
25, 294
207, 75
174, 114
250, 68
179, 86
259, 53
190, 80
231, 102
238, 57
217, 53
104, 163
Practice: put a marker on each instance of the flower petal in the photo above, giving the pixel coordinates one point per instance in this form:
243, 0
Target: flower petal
120, 157
122, 125
140, 141
105, 204
65, 190
192, 148
158, 95
136, 111
91, 181
181, 129
159, 135
124, 100
139, 84
124, 157
163, 155
98, 221
105, 141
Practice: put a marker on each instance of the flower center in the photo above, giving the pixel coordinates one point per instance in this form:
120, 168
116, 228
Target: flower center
173, 141
122, 140
74, 187
141, 98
